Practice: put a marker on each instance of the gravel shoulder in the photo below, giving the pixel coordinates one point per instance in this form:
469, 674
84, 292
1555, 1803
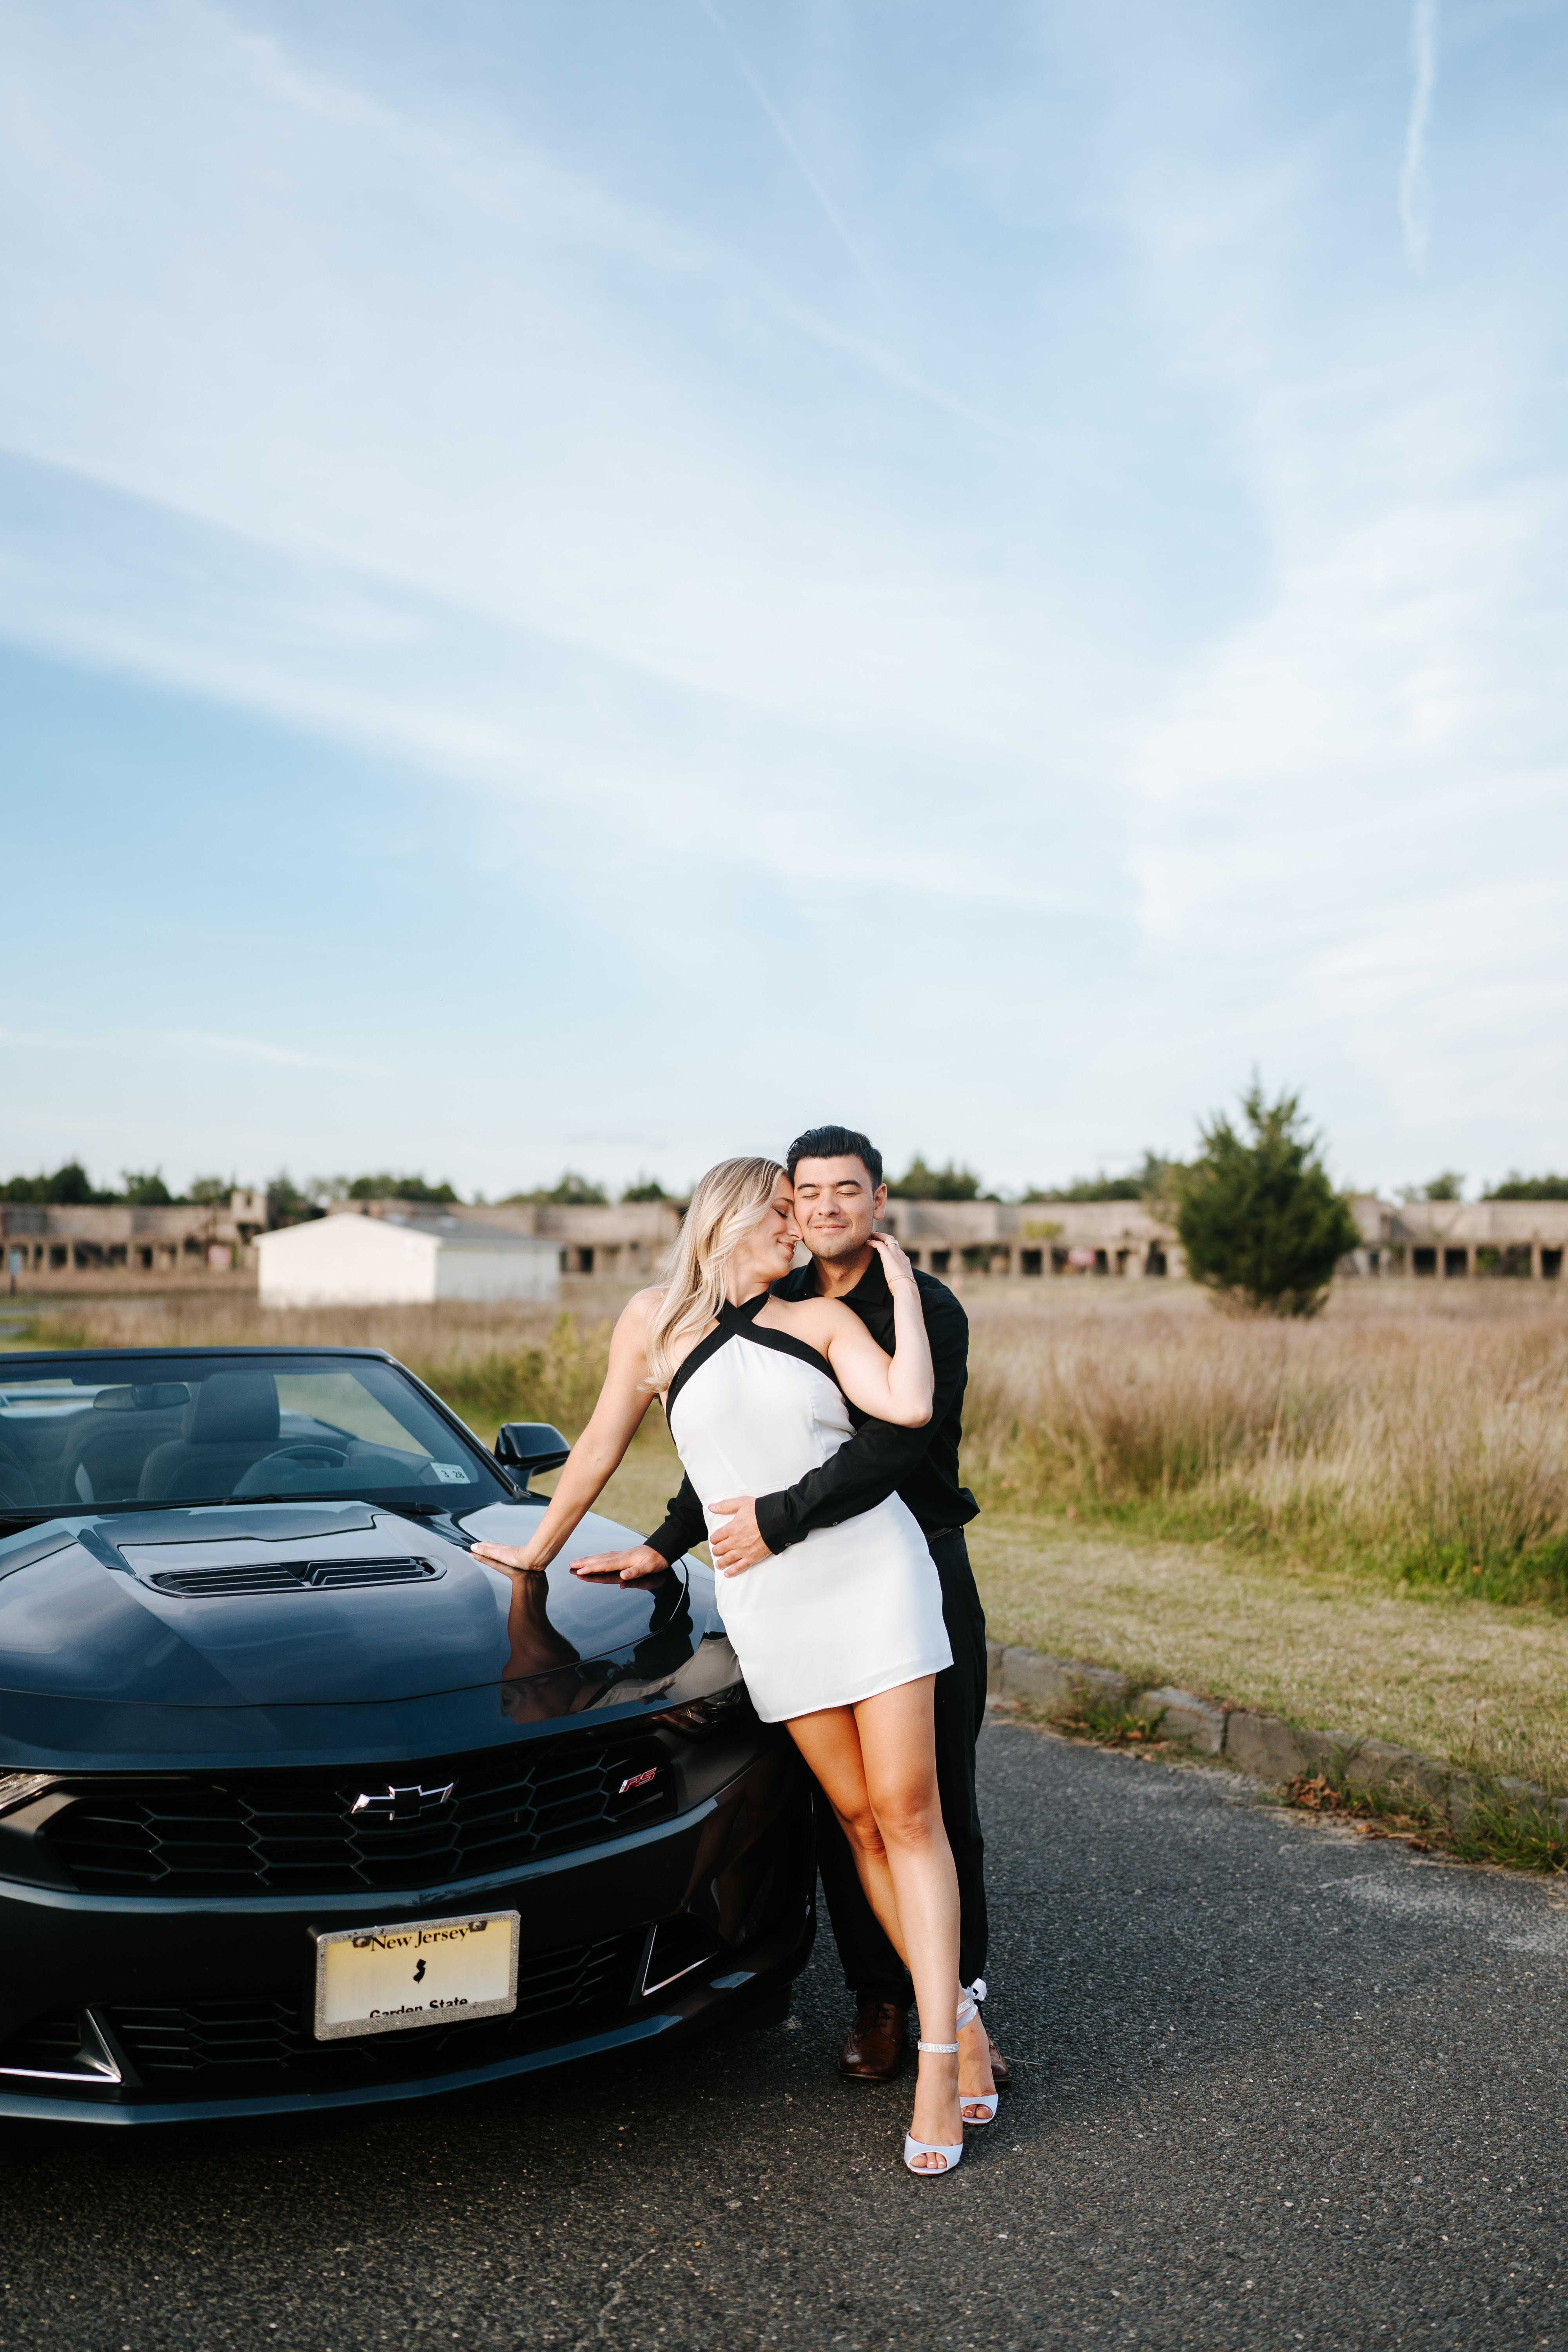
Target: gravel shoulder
1277, 2089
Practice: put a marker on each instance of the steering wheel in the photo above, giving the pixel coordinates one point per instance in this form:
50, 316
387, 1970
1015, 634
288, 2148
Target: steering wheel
311, 1454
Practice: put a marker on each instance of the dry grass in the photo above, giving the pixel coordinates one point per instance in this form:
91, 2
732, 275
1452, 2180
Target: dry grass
1411, 1432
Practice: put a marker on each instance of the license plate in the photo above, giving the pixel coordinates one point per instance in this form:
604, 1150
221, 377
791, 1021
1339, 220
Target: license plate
422, 1972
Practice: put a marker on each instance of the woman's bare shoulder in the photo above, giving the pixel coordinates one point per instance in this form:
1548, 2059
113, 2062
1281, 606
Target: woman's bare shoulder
639, 1310
816, 1320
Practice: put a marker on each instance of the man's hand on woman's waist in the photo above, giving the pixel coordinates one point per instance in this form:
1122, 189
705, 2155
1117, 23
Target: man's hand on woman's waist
738, 1544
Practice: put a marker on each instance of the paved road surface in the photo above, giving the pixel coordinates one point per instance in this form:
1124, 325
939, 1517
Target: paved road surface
1280, 2087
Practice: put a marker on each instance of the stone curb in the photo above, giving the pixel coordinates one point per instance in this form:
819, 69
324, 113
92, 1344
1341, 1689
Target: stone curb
1265, 1745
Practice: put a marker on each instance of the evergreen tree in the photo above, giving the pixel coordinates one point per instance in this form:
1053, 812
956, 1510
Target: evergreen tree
1259, 1218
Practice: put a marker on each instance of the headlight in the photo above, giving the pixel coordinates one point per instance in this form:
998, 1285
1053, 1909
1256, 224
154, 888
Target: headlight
696, 1718
16, 1788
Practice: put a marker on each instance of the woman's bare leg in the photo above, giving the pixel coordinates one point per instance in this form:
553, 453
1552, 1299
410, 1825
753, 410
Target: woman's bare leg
878, 1764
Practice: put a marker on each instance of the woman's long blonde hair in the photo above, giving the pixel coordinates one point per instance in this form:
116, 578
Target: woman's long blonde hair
730, 1202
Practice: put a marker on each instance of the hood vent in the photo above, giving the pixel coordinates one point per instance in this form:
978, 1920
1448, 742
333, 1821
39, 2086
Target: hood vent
291, 1576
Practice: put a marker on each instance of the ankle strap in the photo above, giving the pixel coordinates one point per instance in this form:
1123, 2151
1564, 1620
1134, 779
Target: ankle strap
944, 2049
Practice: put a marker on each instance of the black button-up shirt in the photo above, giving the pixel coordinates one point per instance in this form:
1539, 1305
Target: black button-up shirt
920, 1465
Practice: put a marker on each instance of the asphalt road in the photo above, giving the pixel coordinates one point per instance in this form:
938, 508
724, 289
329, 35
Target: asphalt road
1278, 2087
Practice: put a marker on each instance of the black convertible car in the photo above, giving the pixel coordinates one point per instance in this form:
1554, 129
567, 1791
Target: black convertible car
302, 1806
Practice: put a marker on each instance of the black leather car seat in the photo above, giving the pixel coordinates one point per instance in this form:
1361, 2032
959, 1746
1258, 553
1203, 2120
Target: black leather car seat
106, 1462
230, 1421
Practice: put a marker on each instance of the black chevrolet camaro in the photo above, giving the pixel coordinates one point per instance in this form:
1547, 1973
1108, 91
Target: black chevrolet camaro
302, 1806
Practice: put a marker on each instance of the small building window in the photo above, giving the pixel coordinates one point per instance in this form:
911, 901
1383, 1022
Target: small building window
1031, 1260
1552, 1265
1155, 1261
941, 1260
1423, 1261
1456, 1262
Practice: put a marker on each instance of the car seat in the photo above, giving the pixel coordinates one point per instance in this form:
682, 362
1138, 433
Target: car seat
106, 1462
230, 1421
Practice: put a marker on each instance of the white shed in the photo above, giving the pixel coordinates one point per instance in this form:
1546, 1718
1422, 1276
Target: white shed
350, 1261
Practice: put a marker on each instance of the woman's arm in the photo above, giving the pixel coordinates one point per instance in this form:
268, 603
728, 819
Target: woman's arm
598, 1452
897, 1388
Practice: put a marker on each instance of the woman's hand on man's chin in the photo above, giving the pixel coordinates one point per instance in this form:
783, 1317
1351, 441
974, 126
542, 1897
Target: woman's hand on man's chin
507, 1555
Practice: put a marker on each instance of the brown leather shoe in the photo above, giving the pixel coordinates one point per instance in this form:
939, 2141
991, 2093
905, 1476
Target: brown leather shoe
1001, 2072
877, 2041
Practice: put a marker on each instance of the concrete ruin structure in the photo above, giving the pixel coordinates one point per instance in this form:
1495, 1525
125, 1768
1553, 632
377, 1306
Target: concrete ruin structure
47, 1247
1036, 1239
1445, 1240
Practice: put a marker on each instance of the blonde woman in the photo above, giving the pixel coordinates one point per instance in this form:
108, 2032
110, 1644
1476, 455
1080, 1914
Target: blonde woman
841, 1638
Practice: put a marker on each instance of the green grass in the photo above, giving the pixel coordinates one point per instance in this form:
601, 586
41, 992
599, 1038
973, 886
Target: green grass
1476, 1683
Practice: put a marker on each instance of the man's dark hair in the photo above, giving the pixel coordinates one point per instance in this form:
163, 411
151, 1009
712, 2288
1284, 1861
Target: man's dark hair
836, 1143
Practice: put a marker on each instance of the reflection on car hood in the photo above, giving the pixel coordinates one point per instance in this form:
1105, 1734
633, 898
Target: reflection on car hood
87, 1613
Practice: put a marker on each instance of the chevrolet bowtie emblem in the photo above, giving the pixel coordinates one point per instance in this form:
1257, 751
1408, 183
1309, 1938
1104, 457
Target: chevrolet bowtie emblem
402, 1804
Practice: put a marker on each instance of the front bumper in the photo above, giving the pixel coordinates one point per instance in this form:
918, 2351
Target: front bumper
187, 2009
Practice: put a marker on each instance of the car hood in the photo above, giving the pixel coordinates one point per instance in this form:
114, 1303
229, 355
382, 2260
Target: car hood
122, 1610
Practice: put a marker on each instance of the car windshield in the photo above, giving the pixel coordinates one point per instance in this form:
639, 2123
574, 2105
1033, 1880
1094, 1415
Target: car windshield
215, 1429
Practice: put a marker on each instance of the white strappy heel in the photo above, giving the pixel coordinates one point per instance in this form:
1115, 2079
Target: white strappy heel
975, 1993
952, 2156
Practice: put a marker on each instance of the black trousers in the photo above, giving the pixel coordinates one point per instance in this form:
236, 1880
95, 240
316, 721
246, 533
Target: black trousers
872, 1969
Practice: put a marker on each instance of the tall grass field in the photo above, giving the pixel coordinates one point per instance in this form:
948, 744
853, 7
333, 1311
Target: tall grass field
1411, 1434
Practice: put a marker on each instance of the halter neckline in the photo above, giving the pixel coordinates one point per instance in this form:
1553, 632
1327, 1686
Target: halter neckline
747, 1312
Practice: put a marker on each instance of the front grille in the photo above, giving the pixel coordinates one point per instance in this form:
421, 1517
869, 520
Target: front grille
49, 2045
272, 1834
291, 1576
208, 2049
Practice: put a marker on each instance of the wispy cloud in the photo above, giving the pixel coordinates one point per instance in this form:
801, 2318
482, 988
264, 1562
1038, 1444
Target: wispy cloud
257, 1049
1415, 193
788, 140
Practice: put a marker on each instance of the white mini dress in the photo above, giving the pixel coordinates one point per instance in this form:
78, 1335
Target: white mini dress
848, 1610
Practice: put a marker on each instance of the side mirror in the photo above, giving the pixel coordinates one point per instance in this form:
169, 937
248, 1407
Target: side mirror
527, 1447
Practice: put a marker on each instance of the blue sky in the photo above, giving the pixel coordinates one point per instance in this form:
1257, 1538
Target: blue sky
592, 585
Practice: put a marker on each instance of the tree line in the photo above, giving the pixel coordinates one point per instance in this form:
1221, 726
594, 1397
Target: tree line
1257, 1212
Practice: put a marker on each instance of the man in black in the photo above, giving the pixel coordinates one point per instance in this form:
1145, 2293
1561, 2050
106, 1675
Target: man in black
839, 1194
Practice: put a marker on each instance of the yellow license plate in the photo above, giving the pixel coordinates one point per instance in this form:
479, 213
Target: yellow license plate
420, 1972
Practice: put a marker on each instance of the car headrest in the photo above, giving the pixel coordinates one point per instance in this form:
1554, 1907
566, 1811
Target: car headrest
231, 1407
